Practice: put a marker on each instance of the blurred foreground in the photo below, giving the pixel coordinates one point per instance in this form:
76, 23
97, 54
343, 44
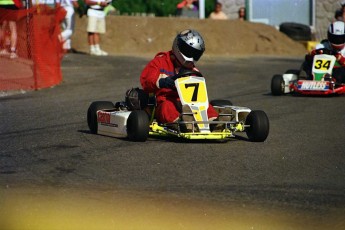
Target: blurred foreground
51, 208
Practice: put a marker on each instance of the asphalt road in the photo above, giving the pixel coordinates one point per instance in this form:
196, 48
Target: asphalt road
293, 180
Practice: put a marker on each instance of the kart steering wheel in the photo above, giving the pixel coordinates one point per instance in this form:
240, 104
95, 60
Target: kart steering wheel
184, 73
325, 51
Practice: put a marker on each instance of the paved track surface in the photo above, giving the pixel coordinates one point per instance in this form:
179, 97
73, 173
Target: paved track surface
293, 180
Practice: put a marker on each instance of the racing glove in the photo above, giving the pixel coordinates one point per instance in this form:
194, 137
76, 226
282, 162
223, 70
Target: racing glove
321, 51
166, 82
340, 59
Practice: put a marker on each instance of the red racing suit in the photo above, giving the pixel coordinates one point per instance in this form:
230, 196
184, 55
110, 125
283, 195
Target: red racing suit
168, 102
325, 47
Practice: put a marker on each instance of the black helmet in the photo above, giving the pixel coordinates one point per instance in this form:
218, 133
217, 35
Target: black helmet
336, 35
188, 46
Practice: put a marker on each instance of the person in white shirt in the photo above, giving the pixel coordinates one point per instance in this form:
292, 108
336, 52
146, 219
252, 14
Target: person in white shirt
68, 22
96, 25
218, 13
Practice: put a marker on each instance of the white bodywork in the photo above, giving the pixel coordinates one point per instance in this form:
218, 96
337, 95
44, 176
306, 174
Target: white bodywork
288, 79
112, 123
239, 113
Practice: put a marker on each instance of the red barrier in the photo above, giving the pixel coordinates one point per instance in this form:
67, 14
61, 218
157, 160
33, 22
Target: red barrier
39, 50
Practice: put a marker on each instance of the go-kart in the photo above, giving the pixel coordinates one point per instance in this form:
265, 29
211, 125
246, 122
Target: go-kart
322, 82
122, 121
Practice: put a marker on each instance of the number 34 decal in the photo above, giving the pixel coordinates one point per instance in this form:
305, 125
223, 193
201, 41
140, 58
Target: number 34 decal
322, 64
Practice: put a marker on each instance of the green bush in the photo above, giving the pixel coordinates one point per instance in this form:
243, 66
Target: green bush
161, 8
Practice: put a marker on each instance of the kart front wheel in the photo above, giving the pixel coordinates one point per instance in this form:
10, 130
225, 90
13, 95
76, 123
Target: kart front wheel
138, 126
258, 123
277, 85
92, 113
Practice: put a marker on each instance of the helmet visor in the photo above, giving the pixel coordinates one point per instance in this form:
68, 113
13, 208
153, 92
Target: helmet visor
187, 62
336, 39
188, 50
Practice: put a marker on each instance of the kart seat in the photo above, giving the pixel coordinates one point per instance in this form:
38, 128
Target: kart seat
138, 99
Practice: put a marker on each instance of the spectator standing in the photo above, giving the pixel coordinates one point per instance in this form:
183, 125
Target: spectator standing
188, 4
96, 25
68, 23
218, 13
242, 13
187, 8
338, 15
10, 5
342, 9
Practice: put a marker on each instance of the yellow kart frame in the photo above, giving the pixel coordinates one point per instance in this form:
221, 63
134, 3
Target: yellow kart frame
157, 130
193, 93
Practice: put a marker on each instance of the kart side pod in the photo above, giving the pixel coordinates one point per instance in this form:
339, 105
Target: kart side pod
238, 113
112, 123
288, 78
280, 84
103, 118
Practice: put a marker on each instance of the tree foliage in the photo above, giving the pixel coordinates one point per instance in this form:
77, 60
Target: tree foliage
161, 8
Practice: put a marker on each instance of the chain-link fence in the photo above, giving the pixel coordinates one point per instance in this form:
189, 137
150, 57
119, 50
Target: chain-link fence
30, 49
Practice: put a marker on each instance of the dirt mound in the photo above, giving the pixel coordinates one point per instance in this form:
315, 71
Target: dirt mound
127, 35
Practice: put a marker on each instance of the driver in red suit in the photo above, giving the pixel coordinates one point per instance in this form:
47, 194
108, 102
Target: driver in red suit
188, 47
333, 45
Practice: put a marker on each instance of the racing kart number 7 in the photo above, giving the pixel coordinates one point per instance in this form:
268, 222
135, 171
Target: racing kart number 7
122, 120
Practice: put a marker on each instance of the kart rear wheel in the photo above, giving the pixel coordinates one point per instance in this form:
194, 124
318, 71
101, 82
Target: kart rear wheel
138, 126
220, 102
259, 126
277, 85
293, 71
92, 113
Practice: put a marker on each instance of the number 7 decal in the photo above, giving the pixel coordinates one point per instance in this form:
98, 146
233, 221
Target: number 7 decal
192, 90
195, 92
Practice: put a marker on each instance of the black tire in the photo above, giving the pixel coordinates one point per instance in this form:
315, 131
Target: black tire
259, 126
220, 102
277, 85
296, 31
92, 113
138, 126
293, 71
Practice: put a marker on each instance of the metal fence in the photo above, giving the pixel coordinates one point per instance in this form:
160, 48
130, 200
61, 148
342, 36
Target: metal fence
36, 61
